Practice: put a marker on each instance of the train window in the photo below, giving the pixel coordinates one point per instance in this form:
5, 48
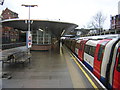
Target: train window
118, 66
92, 51
100, 52
87, 48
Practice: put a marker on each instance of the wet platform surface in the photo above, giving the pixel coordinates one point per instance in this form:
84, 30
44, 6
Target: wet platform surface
47, 69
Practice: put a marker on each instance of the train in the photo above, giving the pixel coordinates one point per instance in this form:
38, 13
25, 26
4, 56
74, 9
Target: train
101, 55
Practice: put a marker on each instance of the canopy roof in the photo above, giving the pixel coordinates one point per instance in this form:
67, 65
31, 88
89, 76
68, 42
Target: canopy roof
56, 27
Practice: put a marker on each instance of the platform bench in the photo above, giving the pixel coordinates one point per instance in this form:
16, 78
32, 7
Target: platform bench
18, 57
22, 57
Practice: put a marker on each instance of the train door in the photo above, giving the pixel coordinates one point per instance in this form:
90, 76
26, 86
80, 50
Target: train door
81, 49
99, 52
77, 47
73, 46
116, 78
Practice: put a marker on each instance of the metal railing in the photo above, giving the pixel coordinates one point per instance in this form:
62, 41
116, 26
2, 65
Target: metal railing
12, 45
111, 31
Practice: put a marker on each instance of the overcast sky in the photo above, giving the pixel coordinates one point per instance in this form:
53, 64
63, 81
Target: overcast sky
74, 11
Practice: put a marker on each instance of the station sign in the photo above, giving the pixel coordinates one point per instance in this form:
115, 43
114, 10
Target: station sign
28, 39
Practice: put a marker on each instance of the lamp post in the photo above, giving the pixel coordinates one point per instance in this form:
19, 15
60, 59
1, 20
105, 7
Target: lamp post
29, 36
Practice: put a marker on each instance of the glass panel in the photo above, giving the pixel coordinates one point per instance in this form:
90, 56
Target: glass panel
92, 51
101, 50
100, 53
41, 37
87, 48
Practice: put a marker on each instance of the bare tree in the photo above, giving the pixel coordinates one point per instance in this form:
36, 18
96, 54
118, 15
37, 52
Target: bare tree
97, 21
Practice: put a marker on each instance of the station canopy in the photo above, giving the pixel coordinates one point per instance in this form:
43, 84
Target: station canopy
56, 27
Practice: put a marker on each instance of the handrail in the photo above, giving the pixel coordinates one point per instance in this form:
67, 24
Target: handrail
12, 45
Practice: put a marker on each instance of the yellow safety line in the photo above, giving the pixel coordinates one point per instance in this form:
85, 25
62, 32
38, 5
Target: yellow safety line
61, 51
93, 84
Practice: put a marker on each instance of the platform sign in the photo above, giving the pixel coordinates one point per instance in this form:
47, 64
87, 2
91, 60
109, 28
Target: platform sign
28, 39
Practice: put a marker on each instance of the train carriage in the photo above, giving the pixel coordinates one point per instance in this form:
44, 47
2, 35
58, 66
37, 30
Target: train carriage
99, 52
89, 52
106, 61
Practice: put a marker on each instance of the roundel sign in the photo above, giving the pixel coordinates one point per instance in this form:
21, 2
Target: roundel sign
29, 40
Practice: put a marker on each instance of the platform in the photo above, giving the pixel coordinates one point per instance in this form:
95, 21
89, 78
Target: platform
48, 69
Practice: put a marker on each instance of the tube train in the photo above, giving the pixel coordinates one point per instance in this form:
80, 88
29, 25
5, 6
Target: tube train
101, 55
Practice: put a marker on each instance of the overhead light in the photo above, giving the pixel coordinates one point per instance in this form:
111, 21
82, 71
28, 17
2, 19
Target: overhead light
31, 21
62, 32
26, 21
40, 30
29, 5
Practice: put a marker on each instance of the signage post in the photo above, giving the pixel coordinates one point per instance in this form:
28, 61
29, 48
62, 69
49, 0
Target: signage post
28, 39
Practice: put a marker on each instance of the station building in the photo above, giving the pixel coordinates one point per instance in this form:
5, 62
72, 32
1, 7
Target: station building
45, 34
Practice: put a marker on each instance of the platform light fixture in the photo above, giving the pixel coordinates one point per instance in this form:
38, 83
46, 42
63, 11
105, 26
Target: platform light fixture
40, 29
29, 13
62, 32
